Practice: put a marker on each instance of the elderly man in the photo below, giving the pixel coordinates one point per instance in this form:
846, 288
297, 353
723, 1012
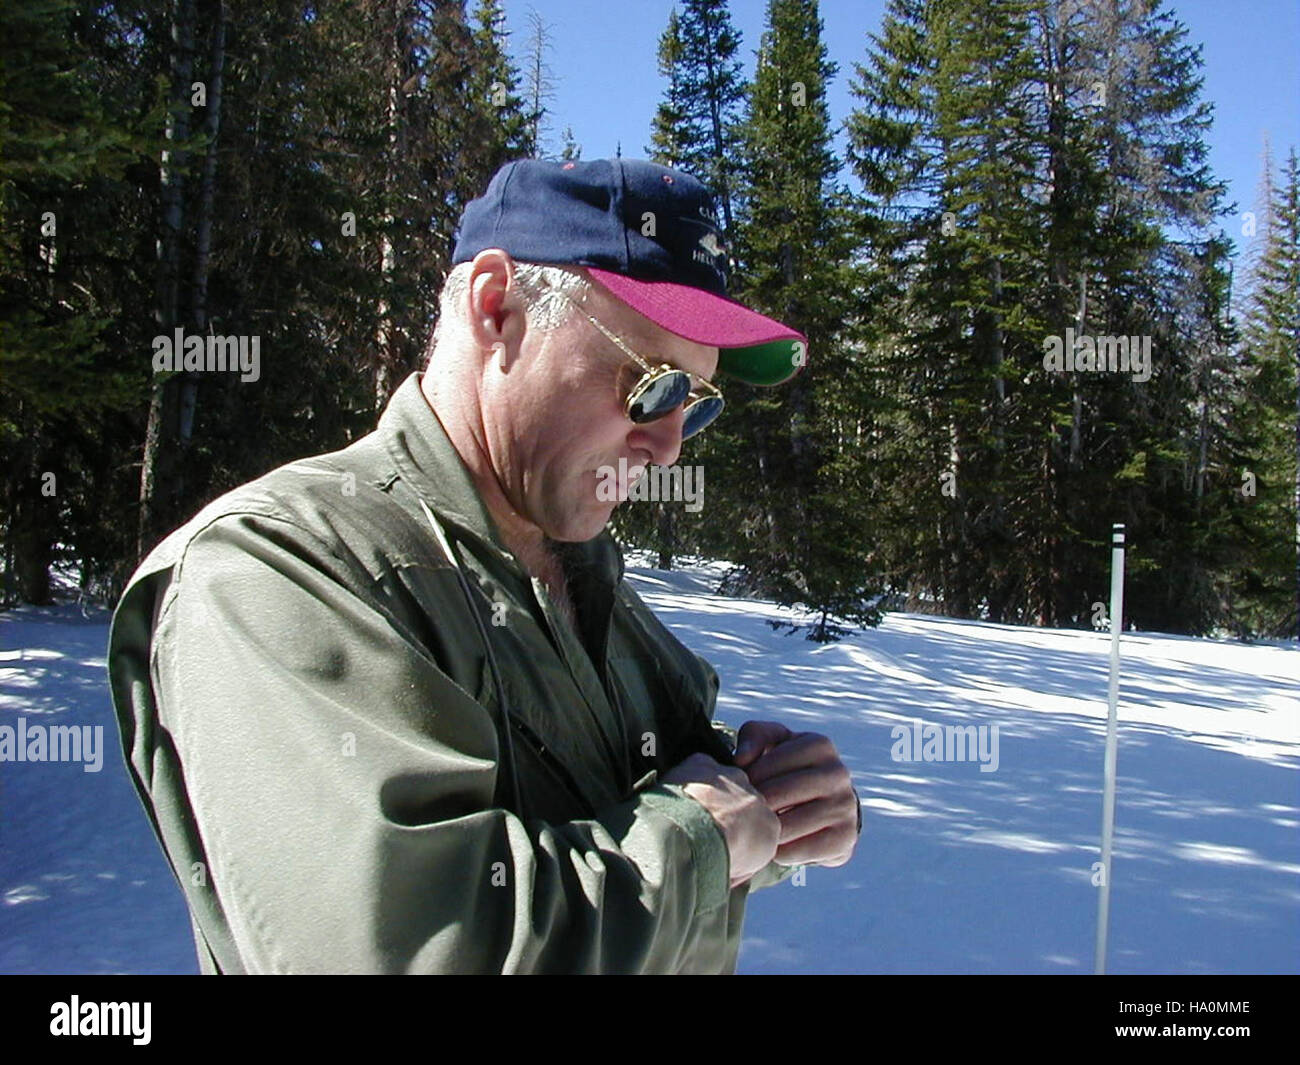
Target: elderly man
394, 709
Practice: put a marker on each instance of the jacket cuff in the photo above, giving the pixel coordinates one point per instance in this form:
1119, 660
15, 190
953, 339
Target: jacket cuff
711, 859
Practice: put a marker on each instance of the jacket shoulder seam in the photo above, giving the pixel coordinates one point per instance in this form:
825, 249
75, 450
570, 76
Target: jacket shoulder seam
178, 567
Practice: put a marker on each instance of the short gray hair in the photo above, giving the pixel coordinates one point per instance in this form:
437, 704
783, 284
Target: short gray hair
542, 286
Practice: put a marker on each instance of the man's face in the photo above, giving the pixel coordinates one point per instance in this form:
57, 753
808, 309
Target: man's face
567, 415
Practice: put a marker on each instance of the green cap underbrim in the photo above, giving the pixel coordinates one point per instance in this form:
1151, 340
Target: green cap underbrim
770, 363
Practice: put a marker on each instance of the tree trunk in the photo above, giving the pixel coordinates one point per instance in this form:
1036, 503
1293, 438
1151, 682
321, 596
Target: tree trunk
207, 193
1076, 420
33, 552
715, 122
159, 469
31, 528
667, 531
385, 339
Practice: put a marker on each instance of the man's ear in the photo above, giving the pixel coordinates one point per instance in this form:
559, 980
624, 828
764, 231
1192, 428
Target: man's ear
495, 314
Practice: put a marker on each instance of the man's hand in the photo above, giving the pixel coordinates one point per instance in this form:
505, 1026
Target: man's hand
801, 777
748, 823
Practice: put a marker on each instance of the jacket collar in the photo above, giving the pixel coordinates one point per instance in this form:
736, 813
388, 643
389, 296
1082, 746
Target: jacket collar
428, 460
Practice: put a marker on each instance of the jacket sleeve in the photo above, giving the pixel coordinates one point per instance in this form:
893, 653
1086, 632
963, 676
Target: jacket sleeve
342, 785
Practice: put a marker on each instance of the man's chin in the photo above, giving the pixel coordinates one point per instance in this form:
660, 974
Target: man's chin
586, 526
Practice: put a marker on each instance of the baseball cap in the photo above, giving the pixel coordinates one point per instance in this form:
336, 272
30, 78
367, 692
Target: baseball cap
647, 233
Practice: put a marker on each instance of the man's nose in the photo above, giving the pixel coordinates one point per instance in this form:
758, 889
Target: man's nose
662, 437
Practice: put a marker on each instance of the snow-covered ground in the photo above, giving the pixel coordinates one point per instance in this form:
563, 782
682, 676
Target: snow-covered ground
960, 869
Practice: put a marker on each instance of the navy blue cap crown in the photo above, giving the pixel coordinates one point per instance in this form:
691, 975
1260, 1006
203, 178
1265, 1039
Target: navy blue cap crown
625, 215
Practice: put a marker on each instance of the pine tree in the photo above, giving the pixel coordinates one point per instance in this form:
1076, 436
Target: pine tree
1267, 585
572, 150
669, 130
539, 83
944, 147
505, 129
695, 129
65, 213
331, 239
1043, 137
327, 242
965, 310
804, 540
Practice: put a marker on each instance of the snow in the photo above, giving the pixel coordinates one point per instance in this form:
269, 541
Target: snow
84, 887
959, 870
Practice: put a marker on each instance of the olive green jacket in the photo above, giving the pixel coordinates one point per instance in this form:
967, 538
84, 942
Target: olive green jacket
313, 722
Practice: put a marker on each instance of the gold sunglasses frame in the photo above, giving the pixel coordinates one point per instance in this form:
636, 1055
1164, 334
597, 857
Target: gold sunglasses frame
707, 389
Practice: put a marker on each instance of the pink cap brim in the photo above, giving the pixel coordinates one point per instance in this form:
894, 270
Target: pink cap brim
694, 313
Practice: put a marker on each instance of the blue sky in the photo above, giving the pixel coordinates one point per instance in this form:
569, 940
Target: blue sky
607, 83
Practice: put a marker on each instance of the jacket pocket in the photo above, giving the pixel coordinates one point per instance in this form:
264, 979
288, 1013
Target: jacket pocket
557, 796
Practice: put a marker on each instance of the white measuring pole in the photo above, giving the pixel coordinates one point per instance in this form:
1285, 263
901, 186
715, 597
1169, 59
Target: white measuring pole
1112, 728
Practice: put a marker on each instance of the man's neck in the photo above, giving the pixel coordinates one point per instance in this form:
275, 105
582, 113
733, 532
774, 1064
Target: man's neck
526, 541
544, 563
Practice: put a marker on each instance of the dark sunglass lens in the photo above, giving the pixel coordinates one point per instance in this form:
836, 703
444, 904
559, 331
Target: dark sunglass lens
699, 414
659, 396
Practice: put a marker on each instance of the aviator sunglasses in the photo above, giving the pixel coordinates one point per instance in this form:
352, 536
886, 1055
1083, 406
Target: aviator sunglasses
661, 391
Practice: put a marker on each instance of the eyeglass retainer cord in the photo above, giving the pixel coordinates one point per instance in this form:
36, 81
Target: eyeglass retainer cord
509, 748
